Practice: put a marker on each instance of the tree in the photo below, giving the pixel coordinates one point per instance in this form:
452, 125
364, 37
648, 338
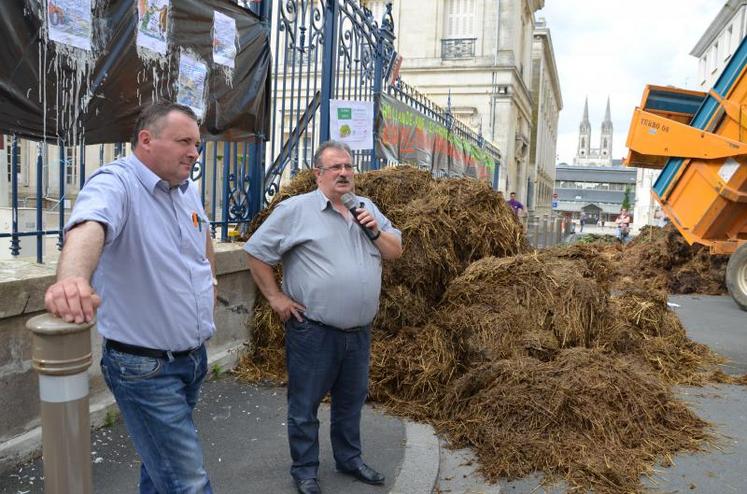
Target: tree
626, 199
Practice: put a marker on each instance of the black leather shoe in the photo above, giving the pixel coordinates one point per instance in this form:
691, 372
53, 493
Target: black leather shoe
308, 486
366, 474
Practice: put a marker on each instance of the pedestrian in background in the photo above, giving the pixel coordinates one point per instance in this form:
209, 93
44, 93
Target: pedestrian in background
581, 221
139, 232
623, 225
515, 204
329, 297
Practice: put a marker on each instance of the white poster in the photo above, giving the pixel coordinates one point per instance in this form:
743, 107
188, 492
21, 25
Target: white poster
224, 39
69, 22
153, 24
191, 89
351, 122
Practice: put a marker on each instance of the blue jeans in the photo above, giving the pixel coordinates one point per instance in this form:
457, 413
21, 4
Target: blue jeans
156, 398
321, 360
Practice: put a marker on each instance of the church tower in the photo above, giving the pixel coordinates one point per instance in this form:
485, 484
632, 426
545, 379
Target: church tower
605, 143
584, 134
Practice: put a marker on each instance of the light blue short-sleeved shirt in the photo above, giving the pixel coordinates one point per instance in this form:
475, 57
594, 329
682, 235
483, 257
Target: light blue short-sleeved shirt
154, 278
329, 265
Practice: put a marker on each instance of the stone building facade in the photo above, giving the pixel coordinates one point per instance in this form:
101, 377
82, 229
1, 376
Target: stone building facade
478, 55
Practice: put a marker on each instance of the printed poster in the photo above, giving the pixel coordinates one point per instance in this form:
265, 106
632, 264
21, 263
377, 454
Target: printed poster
69, 22
191, 85
224, 39
351, 122
152, 25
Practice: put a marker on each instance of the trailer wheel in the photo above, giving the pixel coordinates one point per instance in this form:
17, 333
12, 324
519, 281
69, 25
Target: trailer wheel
736, 276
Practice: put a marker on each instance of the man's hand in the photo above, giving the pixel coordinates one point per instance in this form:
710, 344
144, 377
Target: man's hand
285, 307
367, 220
72, 300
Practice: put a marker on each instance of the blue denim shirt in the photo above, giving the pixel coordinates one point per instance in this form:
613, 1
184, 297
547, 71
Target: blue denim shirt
154, 278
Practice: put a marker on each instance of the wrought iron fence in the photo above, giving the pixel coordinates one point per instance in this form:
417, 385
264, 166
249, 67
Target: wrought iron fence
224, 174
323, 50
458, 48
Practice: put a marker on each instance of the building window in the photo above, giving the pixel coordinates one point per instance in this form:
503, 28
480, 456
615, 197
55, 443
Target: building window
702, 68
460, 18
459, 29
714, 58
727, 50
377, 8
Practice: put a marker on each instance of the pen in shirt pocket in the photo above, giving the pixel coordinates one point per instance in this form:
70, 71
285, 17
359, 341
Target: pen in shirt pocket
196, 221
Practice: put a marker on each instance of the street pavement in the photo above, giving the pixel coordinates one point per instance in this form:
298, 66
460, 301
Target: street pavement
243, 432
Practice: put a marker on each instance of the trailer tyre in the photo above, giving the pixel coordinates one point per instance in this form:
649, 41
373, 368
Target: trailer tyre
736, 276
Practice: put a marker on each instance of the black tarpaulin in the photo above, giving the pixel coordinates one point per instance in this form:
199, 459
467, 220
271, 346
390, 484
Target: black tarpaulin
50, 91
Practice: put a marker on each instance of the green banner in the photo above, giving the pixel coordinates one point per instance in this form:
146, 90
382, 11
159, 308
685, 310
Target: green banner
407, 136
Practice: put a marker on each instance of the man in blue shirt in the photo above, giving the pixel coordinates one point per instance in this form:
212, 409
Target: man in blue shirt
139, 234
515, 204
330, 295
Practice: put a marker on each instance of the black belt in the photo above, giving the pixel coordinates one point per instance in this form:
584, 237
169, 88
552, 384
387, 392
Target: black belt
144, 352
327, 326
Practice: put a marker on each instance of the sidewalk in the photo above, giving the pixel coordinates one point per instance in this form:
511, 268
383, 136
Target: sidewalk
244, 438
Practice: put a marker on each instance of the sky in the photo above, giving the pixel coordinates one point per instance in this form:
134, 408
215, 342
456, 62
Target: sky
614, 48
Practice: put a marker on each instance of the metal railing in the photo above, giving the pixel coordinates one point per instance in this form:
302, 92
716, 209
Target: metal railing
458, 48
224, 174
545, 231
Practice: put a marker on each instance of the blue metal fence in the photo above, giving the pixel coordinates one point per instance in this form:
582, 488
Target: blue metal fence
323, 50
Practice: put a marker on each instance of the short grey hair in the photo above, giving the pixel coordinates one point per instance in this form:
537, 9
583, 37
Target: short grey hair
341, 146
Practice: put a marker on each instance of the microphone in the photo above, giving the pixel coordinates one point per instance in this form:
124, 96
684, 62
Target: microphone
348, 199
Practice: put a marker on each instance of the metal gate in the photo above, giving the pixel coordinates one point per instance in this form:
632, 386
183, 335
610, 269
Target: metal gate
324, 49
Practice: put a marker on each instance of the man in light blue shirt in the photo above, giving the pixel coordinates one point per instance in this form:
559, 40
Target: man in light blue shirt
140, 233
330, 295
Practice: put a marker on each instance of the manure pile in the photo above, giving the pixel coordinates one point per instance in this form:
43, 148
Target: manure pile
663, 256
524, 356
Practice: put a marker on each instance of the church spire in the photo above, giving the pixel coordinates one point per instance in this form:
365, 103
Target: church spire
607, 117
585, 118
584, 134
605, 144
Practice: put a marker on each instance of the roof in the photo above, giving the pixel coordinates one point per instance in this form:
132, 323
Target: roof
611, 196
578, 206
603, 174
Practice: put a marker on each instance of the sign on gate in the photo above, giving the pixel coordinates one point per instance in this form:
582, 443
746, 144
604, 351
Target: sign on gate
351, 122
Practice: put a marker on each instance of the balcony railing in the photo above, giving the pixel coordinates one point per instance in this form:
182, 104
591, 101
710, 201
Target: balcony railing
457, 48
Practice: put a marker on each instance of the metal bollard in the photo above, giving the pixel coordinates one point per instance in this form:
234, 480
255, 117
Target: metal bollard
61, 355
558, 230
545, 243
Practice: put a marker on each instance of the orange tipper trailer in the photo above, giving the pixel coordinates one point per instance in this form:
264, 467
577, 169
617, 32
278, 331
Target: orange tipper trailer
699, 141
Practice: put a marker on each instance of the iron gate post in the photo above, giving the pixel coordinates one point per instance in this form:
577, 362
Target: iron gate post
61, 203
39, 211
496, 174
15, 242
226, 171
331, 10
377, 85
256, 174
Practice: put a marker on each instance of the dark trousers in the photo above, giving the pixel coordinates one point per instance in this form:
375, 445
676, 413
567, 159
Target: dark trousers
322, 359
